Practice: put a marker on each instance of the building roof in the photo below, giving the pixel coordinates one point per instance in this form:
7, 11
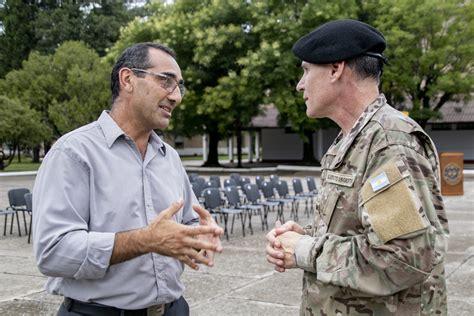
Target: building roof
452, 112
268, 117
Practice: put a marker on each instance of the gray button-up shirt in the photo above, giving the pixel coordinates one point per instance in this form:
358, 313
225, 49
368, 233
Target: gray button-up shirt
92, 184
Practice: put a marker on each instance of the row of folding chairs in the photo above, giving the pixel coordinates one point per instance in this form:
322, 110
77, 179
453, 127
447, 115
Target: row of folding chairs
244, 199
20, 201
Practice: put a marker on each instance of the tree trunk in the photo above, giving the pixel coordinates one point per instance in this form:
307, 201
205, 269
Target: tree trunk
36, 153
239, 148
308, 150
213, 155
19, 153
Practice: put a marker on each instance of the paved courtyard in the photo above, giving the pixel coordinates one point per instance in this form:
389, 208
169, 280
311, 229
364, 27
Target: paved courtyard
241, 283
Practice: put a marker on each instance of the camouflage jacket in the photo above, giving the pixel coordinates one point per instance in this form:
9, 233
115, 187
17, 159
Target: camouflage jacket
380, 233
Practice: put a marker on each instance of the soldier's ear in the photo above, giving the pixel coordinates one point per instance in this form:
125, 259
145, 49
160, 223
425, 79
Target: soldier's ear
336, 70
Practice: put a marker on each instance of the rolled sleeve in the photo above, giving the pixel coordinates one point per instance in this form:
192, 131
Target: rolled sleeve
99, 251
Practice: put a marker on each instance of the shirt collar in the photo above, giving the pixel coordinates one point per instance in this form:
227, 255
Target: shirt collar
363, 119
110, 128
112, 132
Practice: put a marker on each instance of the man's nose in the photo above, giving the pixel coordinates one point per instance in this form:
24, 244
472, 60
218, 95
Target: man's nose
300, 85
175, 96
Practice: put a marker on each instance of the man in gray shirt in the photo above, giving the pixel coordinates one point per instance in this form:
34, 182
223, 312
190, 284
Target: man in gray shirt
114, 222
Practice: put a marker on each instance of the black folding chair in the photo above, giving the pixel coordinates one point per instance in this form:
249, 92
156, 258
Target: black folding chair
258, 181
217, 179
16, 198
235, 176
234, 207
298, 188
6, 213
257, 204
269, 194
230, 183
284, 193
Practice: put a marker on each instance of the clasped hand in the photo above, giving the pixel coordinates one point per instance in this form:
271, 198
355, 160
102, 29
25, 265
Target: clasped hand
189, 244
281, 245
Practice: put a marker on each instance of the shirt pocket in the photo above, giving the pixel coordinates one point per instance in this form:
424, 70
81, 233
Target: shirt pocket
391, 204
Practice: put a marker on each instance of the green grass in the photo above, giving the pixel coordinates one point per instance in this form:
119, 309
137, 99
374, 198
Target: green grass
25, 165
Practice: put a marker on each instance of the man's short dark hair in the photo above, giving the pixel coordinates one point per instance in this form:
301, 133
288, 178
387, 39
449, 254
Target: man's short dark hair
135, 56
366, 67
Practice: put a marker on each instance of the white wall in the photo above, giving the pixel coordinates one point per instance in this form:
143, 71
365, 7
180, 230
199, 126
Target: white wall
454, 140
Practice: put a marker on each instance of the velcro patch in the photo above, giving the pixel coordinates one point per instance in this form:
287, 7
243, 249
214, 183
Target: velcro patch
393, 208
346, 180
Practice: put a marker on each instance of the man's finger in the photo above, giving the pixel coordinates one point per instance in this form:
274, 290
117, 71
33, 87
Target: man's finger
274, 253
201, 211
197, 257
210, 255
277, 224
201, 244
188, 261
173, 209
202, 230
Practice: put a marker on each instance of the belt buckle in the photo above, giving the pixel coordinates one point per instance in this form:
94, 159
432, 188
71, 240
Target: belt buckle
156, 310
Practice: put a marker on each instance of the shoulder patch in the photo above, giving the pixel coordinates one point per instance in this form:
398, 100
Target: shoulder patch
392, 207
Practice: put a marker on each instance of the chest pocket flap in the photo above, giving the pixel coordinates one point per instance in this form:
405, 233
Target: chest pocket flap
392, 207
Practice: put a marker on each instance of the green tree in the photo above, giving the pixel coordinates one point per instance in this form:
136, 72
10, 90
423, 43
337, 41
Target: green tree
18, 36
278, 25
69, 88
97, 23
431, 50
20, 127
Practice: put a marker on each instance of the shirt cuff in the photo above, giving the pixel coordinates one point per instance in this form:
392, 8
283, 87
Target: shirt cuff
99, 251
303, 250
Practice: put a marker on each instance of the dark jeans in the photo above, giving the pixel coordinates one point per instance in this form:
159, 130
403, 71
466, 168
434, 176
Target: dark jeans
179, 308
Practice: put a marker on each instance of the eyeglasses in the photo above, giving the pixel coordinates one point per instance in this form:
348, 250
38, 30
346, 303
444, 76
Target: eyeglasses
167, 82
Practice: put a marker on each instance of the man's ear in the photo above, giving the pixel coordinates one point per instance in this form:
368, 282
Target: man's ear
336, 70
126, 79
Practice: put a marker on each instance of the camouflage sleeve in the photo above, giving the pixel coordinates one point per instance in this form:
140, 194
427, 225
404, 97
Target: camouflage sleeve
404, 234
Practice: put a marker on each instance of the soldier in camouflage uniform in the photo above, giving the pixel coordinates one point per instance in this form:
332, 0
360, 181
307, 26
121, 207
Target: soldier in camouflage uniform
380, 233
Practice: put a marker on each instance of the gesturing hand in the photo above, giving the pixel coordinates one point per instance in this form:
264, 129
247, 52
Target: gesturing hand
168, 238
206, 219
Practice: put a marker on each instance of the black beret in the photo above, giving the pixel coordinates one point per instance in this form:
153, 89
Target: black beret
340, 40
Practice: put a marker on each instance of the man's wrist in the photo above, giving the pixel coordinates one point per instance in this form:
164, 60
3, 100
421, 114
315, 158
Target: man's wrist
303, 250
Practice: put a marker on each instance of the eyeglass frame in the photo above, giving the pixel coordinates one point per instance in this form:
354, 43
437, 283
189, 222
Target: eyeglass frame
178, 84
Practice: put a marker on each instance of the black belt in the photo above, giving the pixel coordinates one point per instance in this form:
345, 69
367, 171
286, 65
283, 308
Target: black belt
79, 307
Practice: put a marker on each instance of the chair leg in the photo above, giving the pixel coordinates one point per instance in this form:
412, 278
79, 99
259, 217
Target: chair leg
250, 222
24, 222
18, 223
225, 226
232, 228
11, 224
31, 226
5, 227
242, 220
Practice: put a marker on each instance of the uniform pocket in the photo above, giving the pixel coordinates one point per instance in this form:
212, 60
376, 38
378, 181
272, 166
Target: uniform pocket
328, 210
392, 207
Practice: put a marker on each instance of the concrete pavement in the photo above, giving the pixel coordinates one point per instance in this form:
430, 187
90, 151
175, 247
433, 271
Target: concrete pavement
241, 283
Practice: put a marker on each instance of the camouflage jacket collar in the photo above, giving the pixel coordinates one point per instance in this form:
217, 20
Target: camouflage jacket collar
347, 141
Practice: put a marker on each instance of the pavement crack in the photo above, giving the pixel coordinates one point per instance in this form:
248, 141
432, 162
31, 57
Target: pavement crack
460, 265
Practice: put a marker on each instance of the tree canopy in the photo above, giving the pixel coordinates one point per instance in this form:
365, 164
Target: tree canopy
69, 88
19, 127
